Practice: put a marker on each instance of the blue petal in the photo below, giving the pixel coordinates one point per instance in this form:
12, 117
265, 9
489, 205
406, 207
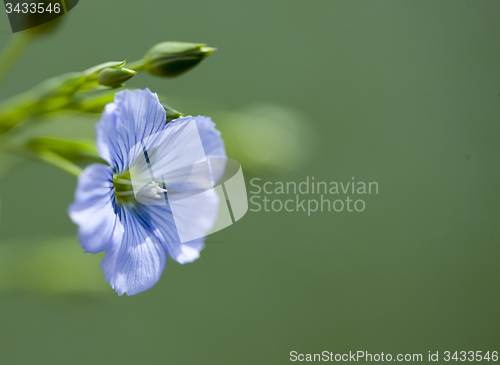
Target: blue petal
186, 252
185, 142
162, 222
177, 146
210, 137
94, 209
137, 263
131, 118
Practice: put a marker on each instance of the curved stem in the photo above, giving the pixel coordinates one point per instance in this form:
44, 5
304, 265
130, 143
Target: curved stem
136, 65
48, 157
12, 52
60, 162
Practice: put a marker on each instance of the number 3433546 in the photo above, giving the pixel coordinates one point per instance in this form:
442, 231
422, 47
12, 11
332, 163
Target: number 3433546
470, 356
32, 8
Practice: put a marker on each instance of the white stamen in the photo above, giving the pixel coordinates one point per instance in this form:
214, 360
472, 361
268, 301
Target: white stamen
151, 190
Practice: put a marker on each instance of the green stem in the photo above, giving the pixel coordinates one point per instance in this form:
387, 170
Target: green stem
61, 163
136, 65
12, 52
48, 157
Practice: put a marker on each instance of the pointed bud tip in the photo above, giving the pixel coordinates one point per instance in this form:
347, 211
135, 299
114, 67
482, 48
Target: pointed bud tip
208, 50
114, 77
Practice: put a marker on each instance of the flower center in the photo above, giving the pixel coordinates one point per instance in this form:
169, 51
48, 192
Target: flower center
124, 192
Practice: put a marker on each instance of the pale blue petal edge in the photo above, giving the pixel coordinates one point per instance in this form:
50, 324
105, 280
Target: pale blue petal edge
93, 210
133, 116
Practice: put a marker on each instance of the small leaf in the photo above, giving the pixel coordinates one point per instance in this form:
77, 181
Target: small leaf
71, 149
94, 103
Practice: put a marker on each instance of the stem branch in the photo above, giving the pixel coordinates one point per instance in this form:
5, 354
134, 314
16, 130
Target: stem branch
136, 65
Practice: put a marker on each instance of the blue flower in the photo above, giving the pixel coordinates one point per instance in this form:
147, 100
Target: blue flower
137, 237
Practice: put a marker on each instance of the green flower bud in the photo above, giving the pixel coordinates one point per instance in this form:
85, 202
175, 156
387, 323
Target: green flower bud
170, 59
92, 72
114, 77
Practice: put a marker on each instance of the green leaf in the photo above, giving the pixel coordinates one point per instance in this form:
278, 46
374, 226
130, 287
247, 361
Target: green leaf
64, 124
65, 84
94, 103
69, 148
56, 160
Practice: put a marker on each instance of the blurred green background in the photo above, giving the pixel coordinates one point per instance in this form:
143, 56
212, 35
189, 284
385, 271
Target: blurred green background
405, 93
